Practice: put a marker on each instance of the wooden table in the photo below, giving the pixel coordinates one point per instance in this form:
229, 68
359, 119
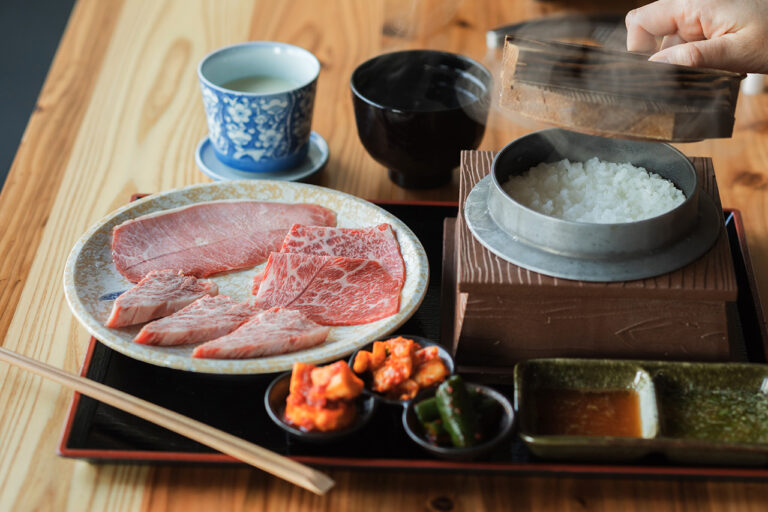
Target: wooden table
120, 113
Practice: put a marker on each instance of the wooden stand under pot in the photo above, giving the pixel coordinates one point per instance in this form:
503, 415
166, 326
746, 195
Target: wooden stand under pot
504, 313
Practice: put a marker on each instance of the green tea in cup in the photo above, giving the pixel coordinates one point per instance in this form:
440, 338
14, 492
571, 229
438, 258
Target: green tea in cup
261, 84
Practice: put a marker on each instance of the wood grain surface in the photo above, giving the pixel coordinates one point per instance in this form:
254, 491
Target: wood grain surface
710, 277
120, 112
616, 93
678, 315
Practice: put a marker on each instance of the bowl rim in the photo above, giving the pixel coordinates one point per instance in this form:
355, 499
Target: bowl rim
472, 62
549, 218
250, 44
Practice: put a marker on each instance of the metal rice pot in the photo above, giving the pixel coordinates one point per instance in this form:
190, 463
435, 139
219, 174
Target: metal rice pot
592, 251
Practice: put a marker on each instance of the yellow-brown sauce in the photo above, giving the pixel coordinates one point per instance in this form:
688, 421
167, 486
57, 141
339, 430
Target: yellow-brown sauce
588, 413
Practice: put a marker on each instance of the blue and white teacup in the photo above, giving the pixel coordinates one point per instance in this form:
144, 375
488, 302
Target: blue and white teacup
258, 99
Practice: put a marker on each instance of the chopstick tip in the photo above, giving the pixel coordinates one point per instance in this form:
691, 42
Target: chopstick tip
321, 484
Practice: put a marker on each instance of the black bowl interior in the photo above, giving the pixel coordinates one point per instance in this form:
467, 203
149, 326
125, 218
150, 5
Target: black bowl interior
555, 144
416, 110
274, 402
415, 431
424, 342
421, 81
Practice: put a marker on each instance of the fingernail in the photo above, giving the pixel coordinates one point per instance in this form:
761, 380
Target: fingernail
660, 58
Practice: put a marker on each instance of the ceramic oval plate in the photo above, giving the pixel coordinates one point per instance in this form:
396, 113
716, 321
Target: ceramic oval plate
91, 280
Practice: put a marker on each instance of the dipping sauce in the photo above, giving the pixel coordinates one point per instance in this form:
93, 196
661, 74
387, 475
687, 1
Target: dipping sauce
729, 415
588, 413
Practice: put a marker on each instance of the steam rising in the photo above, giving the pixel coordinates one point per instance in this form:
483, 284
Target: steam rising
425, 81
405, 19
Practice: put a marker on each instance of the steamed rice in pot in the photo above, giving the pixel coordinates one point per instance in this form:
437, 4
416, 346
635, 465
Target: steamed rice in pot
594, 191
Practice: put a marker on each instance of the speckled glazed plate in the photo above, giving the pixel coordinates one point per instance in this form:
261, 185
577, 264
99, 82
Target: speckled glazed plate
90, 276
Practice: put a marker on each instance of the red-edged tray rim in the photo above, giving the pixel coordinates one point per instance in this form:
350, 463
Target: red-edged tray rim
574, 469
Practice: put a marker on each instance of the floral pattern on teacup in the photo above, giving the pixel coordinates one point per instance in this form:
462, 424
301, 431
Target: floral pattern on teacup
213, 117
259, 128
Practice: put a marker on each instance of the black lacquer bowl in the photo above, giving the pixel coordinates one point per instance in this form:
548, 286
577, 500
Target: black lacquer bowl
417, 109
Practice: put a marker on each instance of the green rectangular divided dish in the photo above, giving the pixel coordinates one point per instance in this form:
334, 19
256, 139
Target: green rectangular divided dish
693, 413
565, 376
713, 413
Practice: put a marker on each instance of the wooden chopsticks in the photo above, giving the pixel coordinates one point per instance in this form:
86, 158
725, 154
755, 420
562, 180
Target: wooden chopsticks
240, 449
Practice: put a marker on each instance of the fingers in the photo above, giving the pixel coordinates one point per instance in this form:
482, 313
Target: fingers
649, 21
720, 34
639, 39
719, 53
671, 41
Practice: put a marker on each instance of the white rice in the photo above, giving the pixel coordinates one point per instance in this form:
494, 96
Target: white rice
594, 191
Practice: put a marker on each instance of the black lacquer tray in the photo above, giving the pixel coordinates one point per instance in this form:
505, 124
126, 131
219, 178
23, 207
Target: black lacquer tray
234, 403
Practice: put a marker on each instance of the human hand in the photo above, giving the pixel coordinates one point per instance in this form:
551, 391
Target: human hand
721, 34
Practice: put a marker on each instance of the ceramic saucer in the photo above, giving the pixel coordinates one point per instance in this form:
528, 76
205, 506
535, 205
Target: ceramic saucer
213, 168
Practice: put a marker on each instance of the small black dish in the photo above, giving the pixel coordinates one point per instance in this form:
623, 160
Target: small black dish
274, 402
366, 376
417, 109
415, 432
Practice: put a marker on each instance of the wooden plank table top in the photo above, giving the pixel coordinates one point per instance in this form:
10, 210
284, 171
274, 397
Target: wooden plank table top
120, 113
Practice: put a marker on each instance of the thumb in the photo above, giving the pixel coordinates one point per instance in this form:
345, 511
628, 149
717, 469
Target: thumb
708, 53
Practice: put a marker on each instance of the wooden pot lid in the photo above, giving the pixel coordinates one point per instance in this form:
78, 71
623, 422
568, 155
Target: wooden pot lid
615, 93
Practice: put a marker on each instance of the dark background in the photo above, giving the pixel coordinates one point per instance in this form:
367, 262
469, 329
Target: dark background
30, 31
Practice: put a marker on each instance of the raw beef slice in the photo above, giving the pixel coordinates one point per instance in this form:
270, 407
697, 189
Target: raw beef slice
377, 243
205, 319
160, 293
329, 290
271, 332
207, 238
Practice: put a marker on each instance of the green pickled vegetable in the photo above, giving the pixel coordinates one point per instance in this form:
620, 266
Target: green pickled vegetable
457, 412
435, 432
426, 410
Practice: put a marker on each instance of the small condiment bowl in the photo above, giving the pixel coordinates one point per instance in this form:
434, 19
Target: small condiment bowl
415, 432
274, 402
539, 381
367, 378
